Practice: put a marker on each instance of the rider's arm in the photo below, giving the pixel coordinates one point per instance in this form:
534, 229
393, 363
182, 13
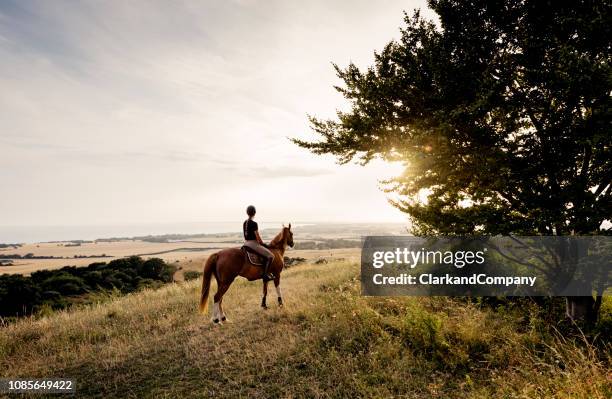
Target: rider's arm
259, 240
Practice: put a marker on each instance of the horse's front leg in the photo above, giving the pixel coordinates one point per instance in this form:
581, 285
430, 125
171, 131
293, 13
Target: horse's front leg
278, 291
265, 292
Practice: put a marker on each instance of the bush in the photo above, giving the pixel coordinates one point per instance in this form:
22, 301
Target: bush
65, 283
18, 295
57, 289
191, 275
153, 268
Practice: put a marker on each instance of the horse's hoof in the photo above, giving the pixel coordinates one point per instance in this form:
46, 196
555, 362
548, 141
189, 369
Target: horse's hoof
264, 307
224, 318
216, 321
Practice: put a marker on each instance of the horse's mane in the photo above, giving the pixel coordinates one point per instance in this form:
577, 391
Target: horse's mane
280, 237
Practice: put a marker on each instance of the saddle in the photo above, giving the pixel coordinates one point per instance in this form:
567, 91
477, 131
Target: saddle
253, 257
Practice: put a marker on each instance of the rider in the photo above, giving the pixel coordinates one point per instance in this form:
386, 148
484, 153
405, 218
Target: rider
254, 242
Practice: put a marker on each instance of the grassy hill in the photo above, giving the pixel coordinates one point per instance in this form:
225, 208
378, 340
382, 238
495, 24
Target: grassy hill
328, 341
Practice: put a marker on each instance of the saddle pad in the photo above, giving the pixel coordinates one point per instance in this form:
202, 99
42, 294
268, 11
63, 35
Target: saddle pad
255, 259
252, 257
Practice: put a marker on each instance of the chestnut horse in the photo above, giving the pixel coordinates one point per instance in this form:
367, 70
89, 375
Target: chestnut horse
230, 263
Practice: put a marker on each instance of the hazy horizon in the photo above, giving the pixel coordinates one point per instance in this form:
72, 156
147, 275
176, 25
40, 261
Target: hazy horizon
48, 233
156, 112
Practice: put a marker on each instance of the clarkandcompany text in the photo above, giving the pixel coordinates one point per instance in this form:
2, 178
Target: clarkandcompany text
474, 279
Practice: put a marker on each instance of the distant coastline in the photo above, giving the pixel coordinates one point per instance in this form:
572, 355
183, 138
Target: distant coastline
11, 235
39, 234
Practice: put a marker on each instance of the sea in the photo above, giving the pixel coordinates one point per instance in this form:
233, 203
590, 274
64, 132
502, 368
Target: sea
34, 234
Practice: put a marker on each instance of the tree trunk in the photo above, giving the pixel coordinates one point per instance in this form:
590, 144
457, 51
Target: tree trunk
582, 308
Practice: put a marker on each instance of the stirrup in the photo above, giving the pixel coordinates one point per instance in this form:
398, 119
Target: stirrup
268, 277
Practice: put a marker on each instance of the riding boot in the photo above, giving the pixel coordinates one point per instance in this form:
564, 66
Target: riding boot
268, 276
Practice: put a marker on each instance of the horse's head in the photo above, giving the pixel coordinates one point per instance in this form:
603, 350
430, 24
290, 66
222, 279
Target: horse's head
285, 237
288, 234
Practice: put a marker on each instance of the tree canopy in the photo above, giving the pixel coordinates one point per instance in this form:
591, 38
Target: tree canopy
500, 111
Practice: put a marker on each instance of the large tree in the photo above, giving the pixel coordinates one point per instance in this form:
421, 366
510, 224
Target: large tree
501, 111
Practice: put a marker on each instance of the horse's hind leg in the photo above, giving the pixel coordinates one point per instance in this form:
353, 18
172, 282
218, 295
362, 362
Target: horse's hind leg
217, 312
221, 312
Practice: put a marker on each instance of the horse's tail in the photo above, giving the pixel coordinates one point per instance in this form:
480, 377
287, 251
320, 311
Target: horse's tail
209, 269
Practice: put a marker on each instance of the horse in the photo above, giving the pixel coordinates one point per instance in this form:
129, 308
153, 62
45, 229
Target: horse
230, 263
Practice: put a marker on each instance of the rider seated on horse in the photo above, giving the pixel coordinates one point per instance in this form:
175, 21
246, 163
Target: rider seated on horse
253, 240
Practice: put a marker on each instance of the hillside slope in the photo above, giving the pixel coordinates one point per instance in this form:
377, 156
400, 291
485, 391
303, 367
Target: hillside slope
328, 341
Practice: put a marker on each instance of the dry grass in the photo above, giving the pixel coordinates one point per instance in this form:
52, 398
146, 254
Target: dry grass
328, 341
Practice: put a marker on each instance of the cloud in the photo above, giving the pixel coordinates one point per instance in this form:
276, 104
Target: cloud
162, 101
286, 171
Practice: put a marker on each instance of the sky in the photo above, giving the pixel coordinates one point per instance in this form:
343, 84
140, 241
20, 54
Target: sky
121, 112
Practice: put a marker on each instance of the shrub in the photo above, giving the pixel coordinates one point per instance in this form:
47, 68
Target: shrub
65, 284
18, 295
56, 289
191, 275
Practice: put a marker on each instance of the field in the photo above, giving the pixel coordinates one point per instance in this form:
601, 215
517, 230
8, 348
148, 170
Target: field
327, 341
104, 251
186, 254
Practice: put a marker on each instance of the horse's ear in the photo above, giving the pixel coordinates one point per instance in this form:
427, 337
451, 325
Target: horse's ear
289, 226
283, 225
